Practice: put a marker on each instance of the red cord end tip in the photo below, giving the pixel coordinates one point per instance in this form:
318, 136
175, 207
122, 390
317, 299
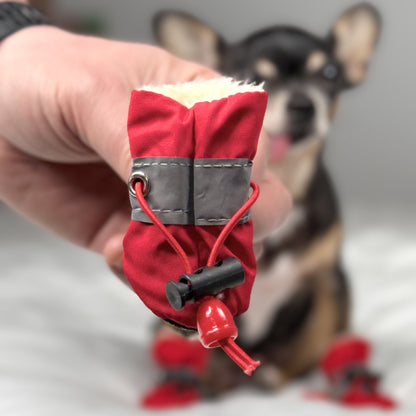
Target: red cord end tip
246, 363
251, 368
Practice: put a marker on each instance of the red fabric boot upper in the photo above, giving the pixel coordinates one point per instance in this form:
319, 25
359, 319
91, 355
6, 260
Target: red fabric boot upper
161, 126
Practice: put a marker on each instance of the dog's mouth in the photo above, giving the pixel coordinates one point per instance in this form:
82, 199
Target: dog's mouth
281, 143
279, 146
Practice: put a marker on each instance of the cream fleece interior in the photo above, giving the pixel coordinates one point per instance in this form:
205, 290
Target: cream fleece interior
190, 93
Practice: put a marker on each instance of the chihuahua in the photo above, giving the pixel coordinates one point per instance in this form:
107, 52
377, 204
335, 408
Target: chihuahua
300, 300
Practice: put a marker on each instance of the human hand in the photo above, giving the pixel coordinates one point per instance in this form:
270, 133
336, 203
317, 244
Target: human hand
64, 152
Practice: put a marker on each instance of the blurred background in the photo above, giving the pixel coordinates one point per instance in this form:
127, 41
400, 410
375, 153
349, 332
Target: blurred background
372, 143
73, 340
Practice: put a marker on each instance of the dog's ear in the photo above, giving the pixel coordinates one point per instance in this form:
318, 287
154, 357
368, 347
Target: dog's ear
354, 36
189, 38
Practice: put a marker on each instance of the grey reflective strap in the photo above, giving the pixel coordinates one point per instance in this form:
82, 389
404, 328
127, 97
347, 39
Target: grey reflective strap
170, 188
193, 191
220, 188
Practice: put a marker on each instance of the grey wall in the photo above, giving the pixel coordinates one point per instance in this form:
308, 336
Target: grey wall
372, 142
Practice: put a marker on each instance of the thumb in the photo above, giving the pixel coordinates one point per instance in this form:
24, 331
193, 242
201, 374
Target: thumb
102, 107
103, 126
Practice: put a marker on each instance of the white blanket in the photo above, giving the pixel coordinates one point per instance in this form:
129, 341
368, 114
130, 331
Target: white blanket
73, 340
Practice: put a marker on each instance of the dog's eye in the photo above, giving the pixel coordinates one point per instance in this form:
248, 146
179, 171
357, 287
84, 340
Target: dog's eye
330, 72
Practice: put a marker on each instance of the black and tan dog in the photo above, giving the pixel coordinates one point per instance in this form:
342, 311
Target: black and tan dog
300, 300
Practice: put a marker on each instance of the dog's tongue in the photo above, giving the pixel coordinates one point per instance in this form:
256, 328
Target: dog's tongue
279, 146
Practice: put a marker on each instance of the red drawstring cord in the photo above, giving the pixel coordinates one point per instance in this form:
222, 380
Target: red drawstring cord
138, 187
232, 223
227, 344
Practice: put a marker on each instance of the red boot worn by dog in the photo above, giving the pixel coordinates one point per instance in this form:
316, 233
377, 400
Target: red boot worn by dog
188, 251
351, 383
182, 360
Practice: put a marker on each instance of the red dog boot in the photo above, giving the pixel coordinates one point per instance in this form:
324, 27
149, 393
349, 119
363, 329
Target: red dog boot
191, 235
173, 352
351, 383
182, 359
192, 147
172, 393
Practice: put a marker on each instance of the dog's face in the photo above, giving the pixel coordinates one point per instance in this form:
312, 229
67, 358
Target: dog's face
301, 76
302, 73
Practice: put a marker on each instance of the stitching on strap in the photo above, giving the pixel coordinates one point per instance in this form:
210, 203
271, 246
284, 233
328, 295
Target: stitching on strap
189, 165
187, 211
165, 210
146, 164
223, 165
220, 219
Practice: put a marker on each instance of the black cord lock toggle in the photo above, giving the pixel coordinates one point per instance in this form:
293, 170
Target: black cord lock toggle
208, 280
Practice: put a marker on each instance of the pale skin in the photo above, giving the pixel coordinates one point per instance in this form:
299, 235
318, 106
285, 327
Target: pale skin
64, 153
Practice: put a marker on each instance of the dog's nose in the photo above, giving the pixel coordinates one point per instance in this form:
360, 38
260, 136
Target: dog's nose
300, 108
